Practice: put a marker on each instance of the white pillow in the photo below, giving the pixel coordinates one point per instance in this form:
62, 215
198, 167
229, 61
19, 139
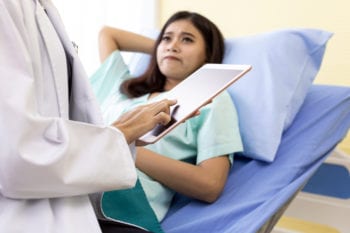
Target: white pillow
285, 63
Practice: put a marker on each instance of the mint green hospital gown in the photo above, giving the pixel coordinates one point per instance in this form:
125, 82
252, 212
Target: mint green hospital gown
213, 133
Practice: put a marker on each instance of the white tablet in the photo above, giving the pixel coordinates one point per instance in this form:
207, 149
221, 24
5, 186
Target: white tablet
194, 92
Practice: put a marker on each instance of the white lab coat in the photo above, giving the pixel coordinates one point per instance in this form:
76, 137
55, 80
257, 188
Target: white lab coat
50, 159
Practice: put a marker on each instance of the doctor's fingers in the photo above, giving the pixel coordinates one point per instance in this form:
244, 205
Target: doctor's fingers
155, 113
142, 119
161, 110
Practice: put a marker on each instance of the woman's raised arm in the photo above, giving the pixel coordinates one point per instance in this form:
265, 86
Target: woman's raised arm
111, 39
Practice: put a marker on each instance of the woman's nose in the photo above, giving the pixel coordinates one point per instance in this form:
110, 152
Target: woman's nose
173, 47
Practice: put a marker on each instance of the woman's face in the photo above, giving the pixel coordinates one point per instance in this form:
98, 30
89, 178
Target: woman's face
180, 52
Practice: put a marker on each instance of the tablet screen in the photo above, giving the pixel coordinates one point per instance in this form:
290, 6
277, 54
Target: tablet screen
194, 92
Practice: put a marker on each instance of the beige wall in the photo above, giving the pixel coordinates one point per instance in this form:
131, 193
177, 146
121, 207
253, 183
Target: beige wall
236, 18
239, 18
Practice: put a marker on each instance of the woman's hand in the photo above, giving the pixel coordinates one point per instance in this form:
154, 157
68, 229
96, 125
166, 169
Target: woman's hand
142, 119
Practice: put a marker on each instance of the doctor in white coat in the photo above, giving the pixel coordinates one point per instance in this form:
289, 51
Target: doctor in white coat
52, 153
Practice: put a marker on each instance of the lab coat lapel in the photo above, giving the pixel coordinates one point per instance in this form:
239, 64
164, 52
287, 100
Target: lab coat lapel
57, 58
83, 104
56, 21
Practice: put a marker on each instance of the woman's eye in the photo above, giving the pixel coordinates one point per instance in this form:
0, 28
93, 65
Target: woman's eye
187, 39
166, 38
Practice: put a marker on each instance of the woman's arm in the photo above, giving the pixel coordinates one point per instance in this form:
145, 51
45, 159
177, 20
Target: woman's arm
204, 181
111, 39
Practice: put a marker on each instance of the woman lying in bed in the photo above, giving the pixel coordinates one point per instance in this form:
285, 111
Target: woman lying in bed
194, 159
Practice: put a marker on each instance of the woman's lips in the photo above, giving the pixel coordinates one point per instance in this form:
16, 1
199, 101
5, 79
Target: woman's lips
171, 58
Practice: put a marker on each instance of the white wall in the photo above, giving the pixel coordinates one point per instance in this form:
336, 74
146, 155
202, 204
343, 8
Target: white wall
84, 19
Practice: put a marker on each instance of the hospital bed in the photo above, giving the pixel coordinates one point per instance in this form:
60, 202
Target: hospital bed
323, 205
257, 192
289, 127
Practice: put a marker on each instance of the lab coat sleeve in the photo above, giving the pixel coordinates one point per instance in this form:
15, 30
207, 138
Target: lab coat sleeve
46, 157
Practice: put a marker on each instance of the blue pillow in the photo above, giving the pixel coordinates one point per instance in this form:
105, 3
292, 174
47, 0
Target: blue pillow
285, 63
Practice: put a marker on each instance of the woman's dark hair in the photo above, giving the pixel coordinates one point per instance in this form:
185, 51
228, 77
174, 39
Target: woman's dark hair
153, 80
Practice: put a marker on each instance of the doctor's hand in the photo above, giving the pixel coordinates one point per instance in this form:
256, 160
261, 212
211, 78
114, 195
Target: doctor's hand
142, 119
